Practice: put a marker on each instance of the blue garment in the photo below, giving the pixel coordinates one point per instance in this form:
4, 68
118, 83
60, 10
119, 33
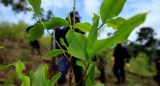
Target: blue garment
63, 68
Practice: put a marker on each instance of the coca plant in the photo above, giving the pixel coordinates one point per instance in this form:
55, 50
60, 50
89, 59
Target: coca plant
79, 45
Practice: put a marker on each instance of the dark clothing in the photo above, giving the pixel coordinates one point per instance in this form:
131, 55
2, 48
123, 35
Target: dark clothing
120, 54
101, 67
119, 72
58, 35
64, 64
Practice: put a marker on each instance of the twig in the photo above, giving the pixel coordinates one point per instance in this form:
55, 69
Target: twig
55, 40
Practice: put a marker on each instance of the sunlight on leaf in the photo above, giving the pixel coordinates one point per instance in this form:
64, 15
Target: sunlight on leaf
77, 44
84, 27
36, 6
110, 9
115, 23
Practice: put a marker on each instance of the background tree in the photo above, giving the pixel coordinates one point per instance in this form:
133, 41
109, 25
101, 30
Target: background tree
146, 34
21, 6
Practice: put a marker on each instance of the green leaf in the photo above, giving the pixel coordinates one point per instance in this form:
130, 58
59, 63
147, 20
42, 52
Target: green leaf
45, 71
69, 18
115, 23
36, 32
54, 53
36, 6
84, 27
80, 63
54, 79
31, 76
95, 17
120, 35
99, 84
6, 82
37, 78
56, 22
62, 42
7, 66
25, 79
92, 72
110, 9
12, 85
88, 81
77, 44
92, 37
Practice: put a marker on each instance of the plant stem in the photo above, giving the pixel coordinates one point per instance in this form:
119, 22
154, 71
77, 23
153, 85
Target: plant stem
74, 9
70, 72
71, 58
101, 26
85, 71
55, 40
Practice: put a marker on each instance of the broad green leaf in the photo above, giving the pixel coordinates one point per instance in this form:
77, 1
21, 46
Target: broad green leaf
62, 42
84, 27
12, 85
80, 63
110, 9
115, 23
56, 22
92, 72
120, 35
31, 76
37, 78
54, 53
36, 32
7, 66
77, 44
36, 6
92, 37
99, 84
54, 79
6, 82
45, 71
25, 79
88, 81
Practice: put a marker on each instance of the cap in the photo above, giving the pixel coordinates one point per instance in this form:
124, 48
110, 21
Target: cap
76, 14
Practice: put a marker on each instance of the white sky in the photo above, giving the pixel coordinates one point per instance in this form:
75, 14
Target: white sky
86, 8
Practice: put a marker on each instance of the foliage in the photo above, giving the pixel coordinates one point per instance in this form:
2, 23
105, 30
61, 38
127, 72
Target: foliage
9, 30
86, 47
140, 63
80, 46
146, 34
39, 78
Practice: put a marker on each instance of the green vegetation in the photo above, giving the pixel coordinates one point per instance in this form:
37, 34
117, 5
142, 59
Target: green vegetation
80, 46
13, 31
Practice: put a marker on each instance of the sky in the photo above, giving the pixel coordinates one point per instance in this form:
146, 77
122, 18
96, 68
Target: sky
86, 8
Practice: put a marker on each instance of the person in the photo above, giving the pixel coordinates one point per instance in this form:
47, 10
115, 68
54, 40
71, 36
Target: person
34, 44
64, 63
120, 54
101, 66
157, 76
